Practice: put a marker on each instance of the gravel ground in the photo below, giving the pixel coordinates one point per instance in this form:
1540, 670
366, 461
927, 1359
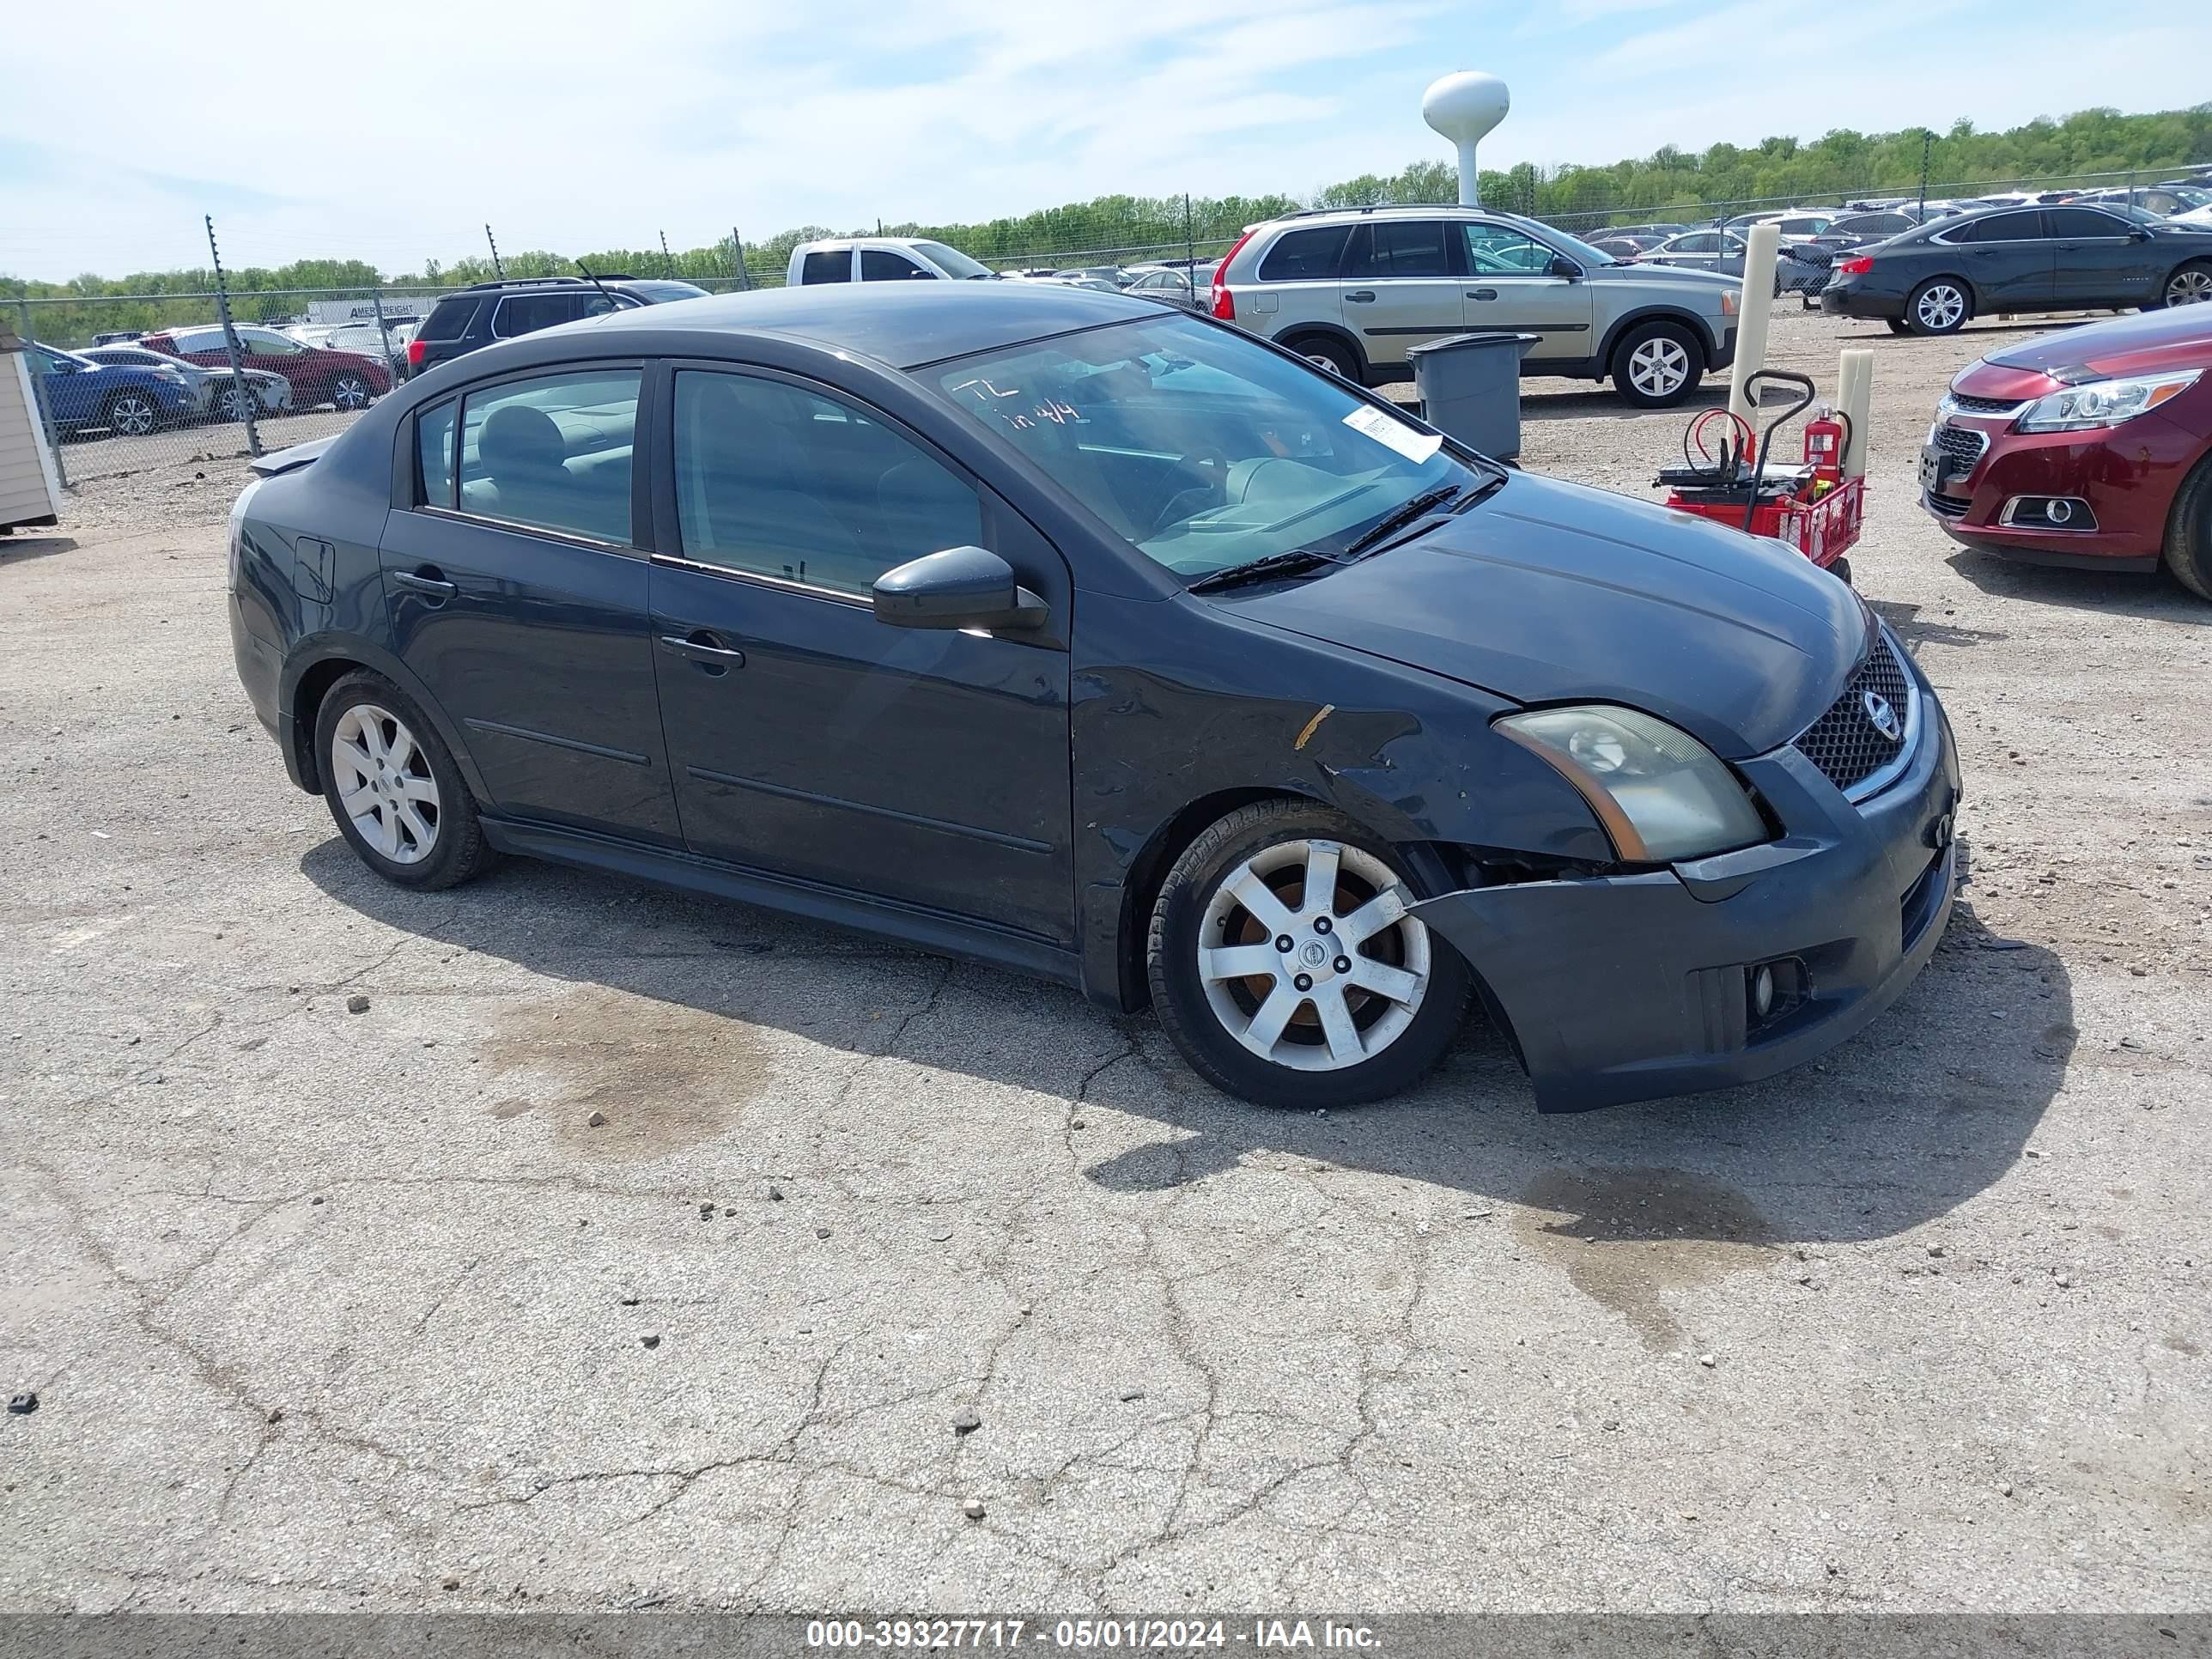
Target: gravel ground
334, 1309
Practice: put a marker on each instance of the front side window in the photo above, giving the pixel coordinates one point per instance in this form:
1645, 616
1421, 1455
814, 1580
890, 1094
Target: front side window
2079, 222
552, 452
776, 481
831, 265
1304, 256
1199, 446
525, 313
880, 264
1400, 248
1502, 249
1704, 241
953, 263
260, 344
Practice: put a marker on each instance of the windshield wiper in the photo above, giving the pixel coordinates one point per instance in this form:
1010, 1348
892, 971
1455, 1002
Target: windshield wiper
1453, 498
1298, 561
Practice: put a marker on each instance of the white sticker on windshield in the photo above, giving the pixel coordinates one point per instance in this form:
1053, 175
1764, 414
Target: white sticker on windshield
1372, 422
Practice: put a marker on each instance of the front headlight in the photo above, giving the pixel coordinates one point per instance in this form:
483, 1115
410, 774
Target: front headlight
2104, 403
1660, 793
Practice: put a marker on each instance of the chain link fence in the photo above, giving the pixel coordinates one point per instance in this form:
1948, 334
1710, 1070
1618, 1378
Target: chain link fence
138, 383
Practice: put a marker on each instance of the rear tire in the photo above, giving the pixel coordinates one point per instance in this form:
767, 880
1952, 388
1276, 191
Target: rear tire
1657, 365
1938, 306
1325, 353
132, 415
351, 391
1355, 1032
392, 786
2189, 532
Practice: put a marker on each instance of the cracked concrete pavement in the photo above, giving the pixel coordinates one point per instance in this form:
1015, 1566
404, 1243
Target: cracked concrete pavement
328, 1309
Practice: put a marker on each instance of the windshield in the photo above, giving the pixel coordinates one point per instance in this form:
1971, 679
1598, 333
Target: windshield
953, 262
661, 292
1202, 447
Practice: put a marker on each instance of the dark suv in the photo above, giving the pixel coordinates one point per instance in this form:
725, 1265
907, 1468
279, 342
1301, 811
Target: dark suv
486, 312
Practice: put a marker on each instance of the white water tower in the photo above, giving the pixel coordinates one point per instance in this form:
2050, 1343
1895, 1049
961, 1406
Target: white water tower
1463, 108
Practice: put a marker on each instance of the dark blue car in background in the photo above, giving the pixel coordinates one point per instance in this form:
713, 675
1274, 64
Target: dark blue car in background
80, 394
1062, 630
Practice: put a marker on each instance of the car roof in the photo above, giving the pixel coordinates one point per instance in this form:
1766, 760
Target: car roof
904, 324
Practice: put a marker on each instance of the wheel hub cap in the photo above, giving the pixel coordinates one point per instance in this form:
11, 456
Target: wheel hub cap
385, 786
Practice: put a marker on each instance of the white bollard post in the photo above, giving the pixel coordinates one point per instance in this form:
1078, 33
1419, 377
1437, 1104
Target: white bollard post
1753, 309
1855, 405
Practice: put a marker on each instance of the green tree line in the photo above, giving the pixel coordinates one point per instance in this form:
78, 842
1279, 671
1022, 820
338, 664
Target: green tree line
1670, 183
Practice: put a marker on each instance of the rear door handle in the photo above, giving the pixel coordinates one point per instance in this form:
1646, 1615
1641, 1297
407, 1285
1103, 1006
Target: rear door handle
1482, 294
1361, 296
703, 647
429, 580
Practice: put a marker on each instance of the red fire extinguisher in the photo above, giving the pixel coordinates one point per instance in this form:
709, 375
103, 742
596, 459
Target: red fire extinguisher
1824, 446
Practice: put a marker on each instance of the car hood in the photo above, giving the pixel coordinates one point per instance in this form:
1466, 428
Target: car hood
1677, 276
2179, 337
1549, 592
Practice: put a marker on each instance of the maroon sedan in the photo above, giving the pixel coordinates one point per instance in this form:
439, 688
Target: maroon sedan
344, 378
2090, 447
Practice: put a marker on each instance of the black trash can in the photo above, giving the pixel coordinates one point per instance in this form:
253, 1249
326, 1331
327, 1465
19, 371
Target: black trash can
1470, 387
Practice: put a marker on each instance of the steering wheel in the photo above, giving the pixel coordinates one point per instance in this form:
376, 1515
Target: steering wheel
1210, 466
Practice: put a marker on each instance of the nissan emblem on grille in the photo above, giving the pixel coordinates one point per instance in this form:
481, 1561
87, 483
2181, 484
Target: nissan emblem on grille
1865, 731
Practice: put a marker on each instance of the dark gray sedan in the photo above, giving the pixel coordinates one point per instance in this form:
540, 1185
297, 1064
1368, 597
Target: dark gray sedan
2003, 261
1060, 631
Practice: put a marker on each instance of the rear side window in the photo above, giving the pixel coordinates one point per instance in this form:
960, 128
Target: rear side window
827, 265
879, 265
2025, 226
1400, 248
553, 452
449, 319
1304, 256
433, 455
525, 313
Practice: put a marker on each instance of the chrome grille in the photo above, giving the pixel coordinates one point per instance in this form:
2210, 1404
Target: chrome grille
1851, 750
1961, 443
1957, 403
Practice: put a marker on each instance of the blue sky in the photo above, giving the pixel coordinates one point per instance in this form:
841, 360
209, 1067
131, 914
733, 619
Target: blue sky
393, 133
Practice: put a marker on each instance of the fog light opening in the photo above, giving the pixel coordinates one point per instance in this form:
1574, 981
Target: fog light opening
1772, 989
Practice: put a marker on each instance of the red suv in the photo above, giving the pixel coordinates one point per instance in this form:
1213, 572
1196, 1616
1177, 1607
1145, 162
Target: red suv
344, 378
2090, 447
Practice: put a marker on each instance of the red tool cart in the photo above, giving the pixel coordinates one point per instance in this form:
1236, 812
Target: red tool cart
1811, 505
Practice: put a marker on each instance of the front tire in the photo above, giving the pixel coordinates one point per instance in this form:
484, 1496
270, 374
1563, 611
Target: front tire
393, 787
232, 402
1285, 967
2191, 285
351, 392
1938, 306
1899, 326
1657, 365
2189, 532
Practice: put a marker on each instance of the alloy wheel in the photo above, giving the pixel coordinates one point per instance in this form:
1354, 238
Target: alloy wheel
2190, 288
1658, 367
1322, 360
233, 401
385, 784
132, 415
1942, 308
1309, 958
351, 393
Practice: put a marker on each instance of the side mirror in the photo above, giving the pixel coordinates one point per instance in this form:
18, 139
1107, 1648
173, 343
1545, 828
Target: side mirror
2139, 234
1563, 266
959, 587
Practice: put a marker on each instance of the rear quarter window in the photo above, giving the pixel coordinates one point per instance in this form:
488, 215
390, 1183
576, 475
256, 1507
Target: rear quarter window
1300, 256
449, 319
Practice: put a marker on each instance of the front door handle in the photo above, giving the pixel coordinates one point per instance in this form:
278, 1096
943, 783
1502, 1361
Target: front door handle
1361, 296
429, 580
1482, 294
704, 646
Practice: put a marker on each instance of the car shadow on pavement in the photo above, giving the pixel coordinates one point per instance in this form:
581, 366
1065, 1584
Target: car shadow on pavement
1929, 1108
2152, 595
1905, 621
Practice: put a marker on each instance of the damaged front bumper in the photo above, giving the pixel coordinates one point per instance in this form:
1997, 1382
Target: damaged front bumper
1633, 987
